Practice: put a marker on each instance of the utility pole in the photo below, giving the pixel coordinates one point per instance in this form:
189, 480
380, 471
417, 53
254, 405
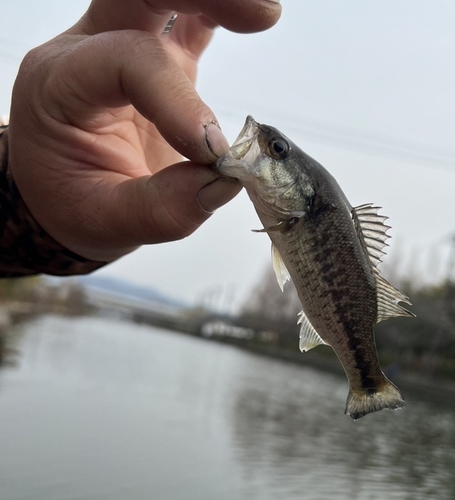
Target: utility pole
445, 317
451, 261
450, 282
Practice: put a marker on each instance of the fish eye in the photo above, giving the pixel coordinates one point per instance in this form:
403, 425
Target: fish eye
278, 147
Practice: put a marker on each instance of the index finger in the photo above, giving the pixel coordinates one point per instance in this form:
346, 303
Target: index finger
116, 69
242, 16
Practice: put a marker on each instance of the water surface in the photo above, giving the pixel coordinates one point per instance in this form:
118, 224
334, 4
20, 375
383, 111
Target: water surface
100, 409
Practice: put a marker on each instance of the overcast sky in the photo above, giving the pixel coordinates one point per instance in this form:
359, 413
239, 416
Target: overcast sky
366, 88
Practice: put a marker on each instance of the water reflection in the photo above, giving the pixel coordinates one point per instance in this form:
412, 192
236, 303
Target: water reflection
99, 410
288, 423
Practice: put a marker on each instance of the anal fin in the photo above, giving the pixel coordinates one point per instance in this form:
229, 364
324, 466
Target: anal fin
309, 337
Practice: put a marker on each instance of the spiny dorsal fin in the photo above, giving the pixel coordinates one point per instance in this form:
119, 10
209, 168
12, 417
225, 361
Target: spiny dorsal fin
309, 337
281, 272
374, 233
373, 230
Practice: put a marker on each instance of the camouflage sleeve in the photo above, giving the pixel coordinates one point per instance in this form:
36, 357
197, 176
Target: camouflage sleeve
25, 248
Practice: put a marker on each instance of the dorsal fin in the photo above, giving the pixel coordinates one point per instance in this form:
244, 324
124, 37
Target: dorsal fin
388, 300
374, 233
373, 230
309, 337
281, 272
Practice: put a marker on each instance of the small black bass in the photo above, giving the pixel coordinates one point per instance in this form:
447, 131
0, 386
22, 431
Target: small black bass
329, 249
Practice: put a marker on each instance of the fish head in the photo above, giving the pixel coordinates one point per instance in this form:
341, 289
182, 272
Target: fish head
271, 168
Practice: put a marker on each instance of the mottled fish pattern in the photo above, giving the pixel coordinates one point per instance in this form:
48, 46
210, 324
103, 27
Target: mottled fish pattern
329, 249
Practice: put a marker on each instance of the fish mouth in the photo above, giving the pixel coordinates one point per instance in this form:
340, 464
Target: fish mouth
245, 139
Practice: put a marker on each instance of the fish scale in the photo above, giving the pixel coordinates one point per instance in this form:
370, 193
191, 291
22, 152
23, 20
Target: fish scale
329, 249
331, 298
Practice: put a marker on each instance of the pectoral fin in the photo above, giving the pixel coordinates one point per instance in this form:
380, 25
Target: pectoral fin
281, 226
309, 337
284, 224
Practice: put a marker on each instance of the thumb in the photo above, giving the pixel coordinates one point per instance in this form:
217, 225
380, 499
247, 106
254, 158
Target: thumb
167, 206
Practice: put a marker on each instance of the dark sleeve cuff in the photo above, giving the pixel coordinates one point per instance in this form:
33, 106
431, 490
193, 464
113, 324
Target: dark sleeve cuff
25, 248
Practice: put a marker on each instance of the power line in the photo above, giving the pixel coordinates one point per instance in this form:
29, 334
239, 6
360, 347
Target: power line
374, 144
340, 136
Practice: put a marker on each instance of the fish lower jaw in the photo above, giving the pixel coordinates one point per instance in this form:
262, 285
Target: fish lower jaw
231, 167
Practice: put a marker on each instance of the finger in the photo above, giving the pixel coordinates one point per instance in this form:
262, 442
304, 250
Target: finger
171, 204
188, 40
152, 15
113, 15
131, 67
167, 206
239, 16
192, 33
242, 16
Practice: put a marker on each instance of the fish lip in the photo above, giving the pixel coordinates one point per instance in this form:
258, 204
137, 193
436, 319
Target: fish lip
245, 139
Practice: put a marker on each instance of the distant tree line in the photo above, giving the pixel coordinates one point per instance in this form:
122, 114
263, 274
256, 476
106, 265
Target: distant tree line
425, 344
67, 296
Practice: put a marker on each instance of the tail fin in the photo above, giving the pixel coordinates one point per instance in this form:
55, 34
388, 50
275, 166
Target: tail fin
359, 403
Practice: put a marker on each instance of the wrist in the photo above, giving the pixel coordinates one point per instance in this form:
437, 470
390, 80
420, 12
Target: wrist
25, 248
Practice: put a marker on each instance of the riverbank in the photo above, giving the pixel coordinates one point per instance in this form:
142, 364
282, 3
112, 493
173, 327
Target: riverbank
418, 385
435, 390
13, 312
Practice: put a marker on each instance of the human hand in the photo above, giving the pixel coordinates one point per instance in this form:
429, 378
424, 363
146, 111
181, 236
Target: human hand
102, 113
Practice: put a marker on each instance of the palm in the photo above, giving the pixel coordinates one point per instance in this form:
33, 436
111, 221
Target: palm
137, 147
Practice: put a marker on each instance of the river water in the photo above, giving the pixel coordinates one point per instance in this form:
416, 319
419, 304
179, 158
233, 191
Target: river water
101, 409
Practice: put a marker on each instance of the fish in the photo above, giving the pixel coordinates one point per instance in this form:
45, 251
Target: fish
329, 249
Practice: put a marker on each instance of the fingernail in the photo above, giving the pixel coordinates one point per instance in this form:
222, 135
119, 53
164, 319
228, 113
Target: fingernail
217, 193
216, 141
274, 1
